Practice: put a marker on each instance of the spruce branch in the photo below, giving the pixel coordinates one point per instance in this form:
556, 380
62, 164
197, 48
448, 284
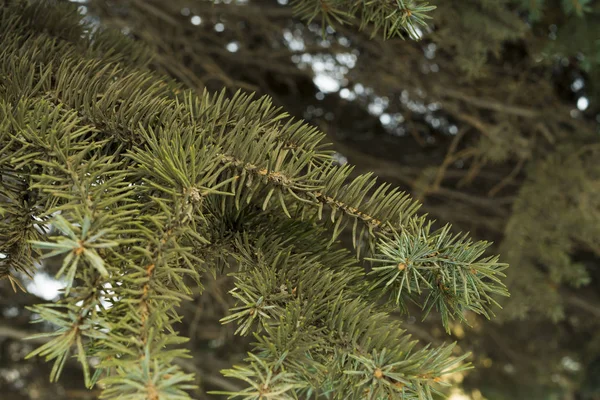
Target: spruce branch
449, 268
394, 18
265, 381
137, 183
332, 334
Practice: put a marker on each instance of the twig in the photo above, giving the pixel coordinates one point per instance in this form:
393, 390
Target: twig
447, 160
508, 179
490, 105
583, 304
19, 334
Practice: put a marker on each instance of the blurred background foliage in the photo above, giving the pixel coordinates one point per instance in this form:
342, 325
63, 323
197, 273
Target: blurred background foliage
491, 119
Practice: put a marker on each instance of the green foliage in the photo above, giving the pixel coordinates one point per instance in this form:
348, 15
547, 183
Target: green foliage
473, 31
575, 29
556, 211
394, 18
536, 8
263, 382
509, 99
139, 183
448, 267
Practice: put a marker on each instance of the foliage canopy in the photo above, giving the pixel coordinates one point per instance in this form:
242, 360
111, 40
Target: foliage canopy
143, 187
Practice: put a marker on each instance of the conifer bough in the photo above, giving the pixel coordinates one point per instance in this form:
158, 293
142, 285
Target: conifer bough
393, 18
142, 187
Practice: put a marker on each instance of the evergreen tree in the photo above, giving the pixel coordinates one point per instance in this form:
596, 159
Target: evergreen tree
143, 188
489, 120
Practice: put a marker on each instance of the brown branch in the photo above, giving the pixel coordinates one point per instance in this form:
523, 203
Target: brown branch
508, 179
476, 123
489, 104
585, 305
447, 160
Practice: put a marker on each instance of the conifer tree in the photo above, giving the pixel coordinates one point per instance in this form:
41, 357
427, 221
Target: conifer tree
143, 187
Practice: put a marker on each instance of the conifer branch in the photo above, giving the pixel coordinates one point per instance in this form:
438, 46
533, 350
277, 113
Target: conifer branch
139, 181
394, 18
332, 338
